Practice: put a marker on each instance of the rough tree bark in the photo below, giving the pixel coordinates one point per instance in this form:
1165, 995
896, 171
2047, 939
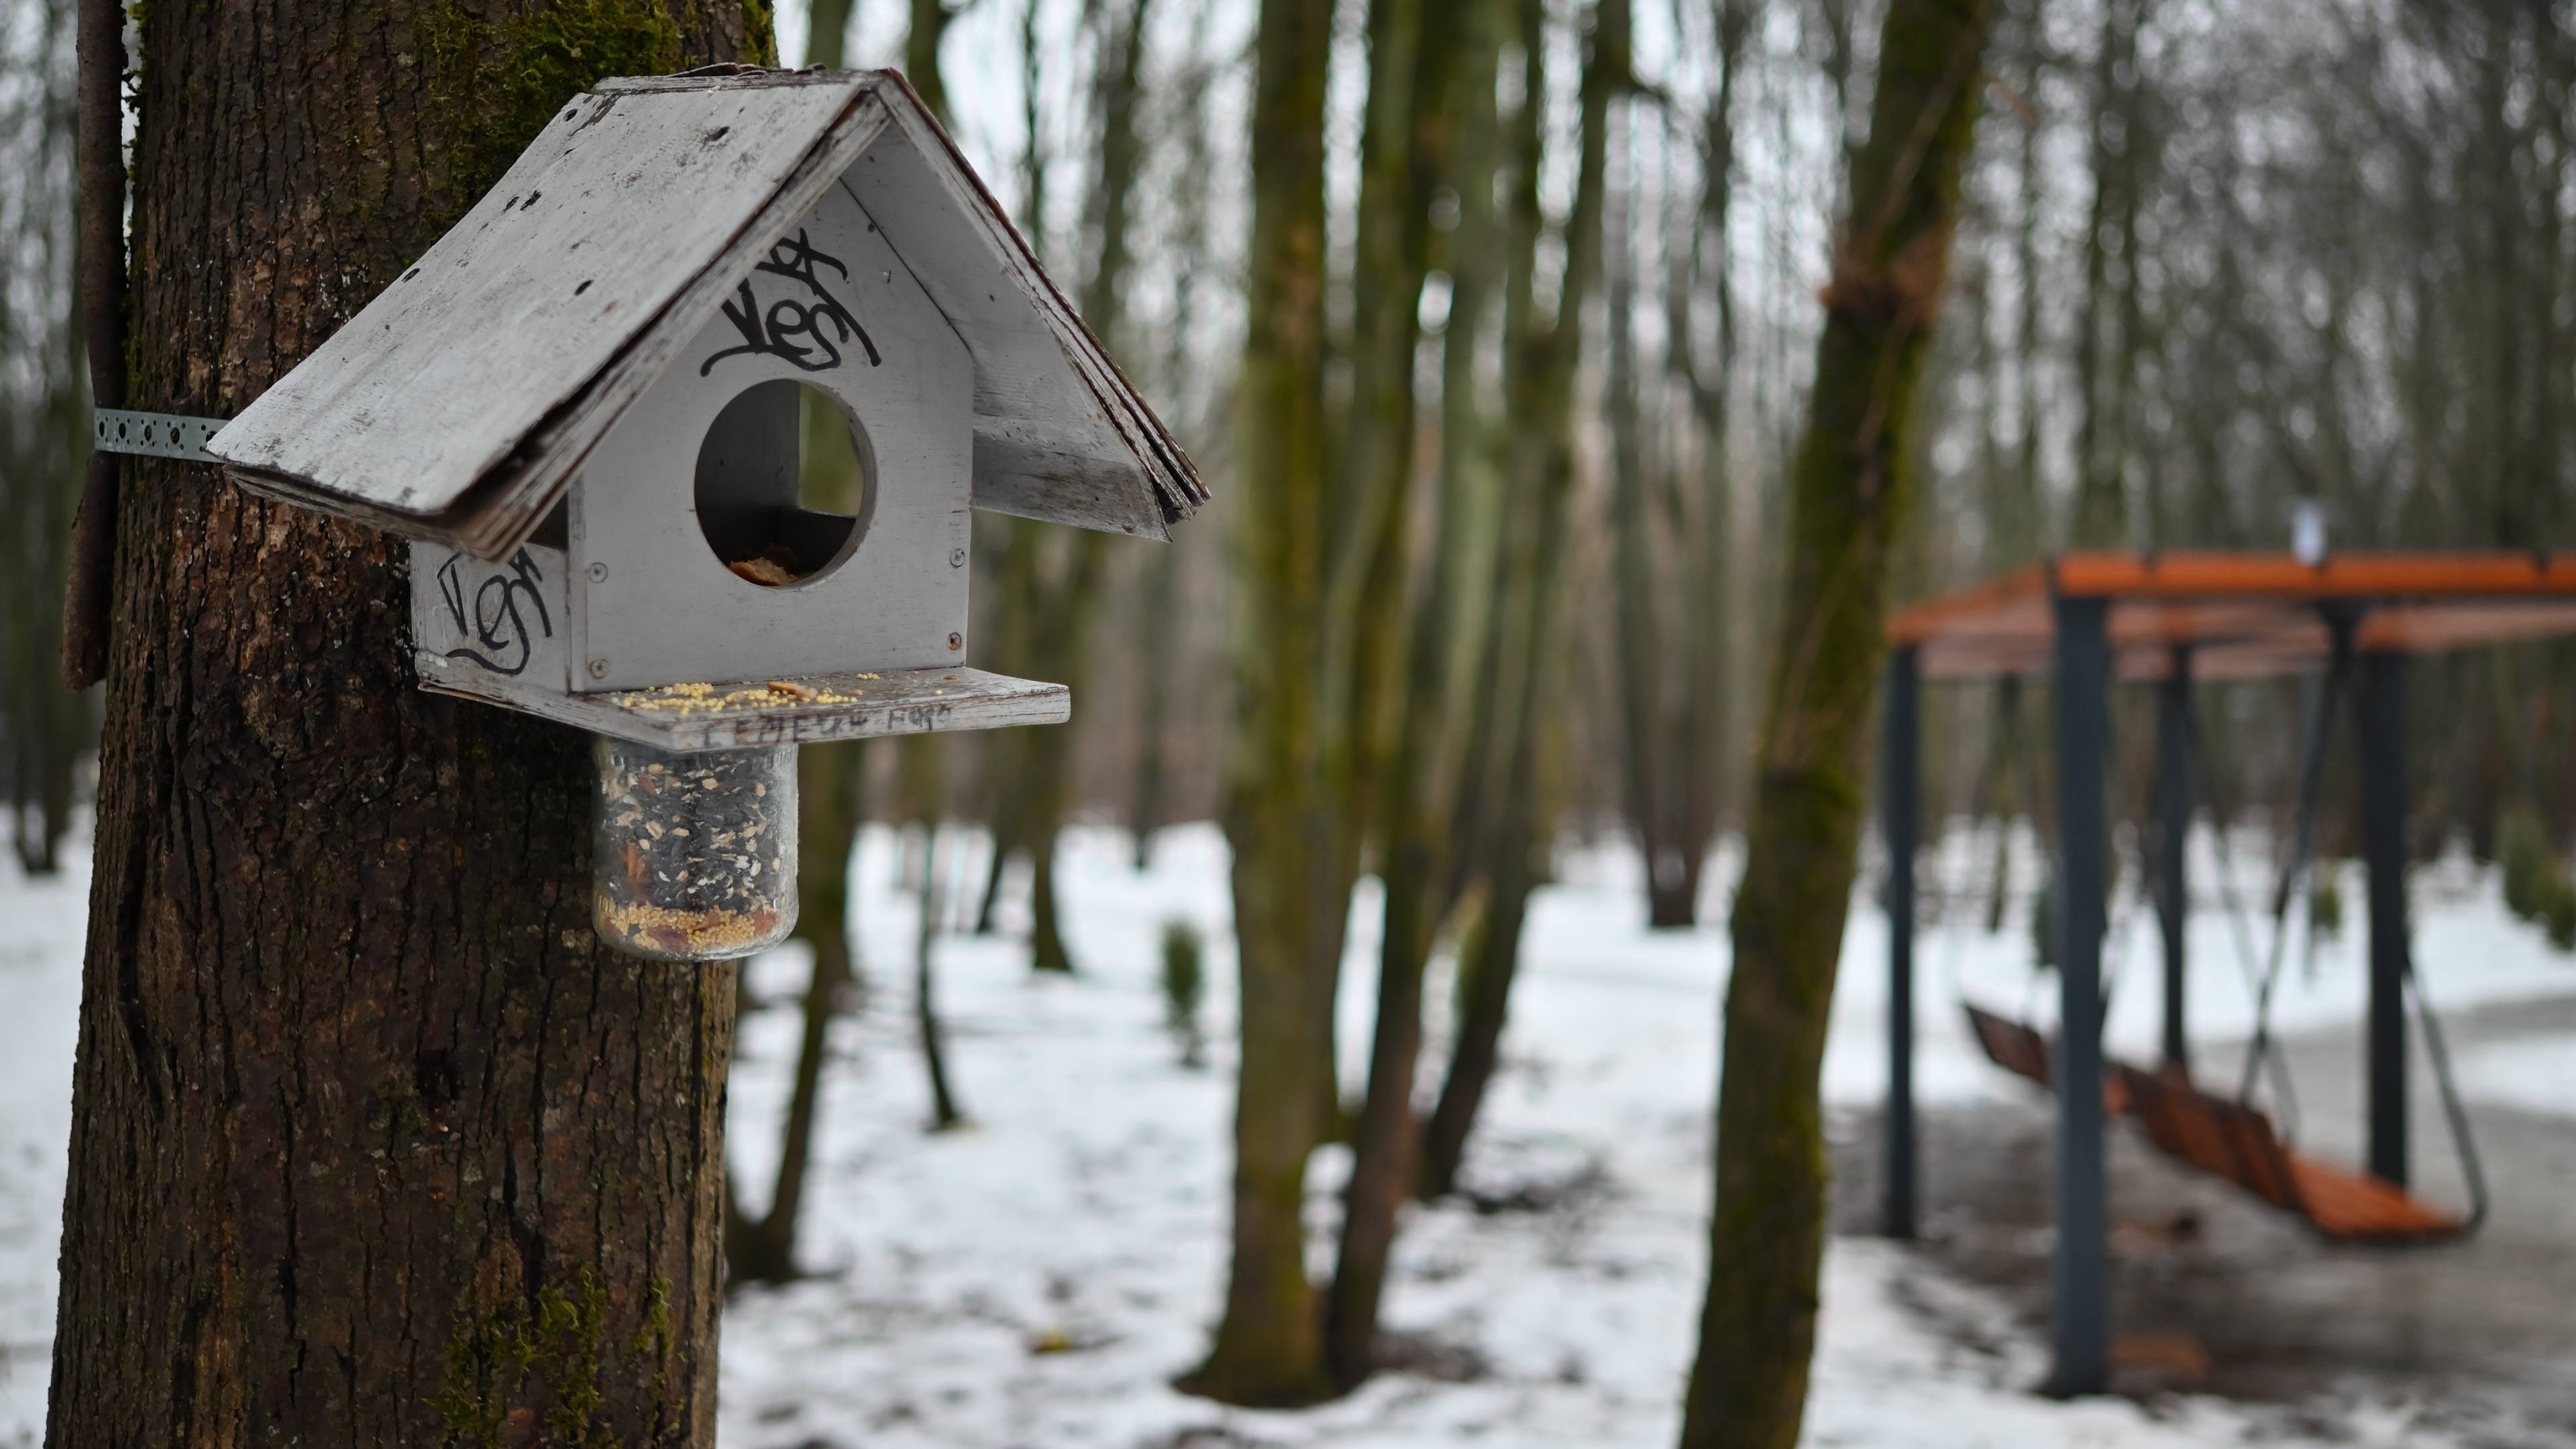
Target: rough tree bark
1278, 813
1849, 491
372, 1140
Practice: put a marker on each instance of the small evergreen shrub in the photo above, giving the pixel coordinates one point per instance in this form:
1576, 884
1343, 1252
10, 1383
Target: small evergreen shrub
1470, 951
2537, 886
2522, 850
2325, 902
2559, 920
1184, 987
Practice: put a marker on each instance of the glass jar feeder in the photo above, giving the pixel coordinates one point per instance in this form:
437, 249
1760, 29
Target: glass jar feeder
693, 856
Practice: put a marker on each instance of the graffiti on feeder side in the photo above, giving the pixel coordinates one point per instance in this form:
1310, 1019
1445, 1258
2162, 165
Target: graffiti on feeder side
493, 615
902, 719
823, 322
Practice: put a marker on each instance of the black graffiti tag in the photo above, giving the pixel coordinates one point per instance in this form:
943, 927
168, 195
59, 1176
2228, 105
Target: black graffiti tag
493, 617
808, 334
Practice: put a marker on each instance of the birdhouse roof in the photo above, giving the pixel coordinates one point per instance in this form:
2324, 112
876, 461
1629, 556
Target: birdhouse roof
459, 404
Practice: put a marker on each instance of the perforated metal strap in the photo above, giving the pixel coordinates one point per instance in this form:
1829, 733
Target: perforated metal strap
153, 435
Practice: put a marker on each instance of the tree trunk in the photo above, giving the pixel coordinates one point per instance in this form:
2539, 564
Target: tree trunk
1188, 233
1415, 162
921, 54
1709, 584
373, 1141
1503, 817
1850, 490
2101, 497
1269, 1344
1649, 773
1488, 960
827, 32
1064, 623
45, 462
945, 1114
1153, 723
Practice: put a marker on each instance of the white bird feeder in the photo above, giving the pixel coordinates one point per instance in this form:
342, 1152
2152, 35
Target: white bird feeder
583, 404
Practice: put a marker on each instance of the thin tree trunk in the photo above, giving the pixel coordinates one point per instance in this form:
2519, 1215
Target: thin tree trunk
1163, 591
1708, 584
827, 32
2101, 498
763, 1249
1849, 495
1489, 966
1540, 386
44, 425
1162, 598
1269, 1344
1066, 623
930, 20
89, 570
372, 1140
2026, 527
1416, 161
1649, 774
945, 1114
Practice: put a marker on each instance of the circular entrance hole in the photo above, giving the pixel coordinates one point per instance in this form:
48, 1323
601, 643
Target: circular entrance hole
786, 484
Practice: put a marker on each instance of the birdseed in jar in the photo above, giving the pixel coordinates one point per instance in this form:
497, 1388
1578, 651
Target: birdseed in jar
693, 856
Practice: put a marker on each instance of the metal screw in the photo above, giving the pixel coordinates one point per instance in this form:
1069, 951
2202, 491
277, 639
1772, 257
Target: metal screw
599, 573
957, 558
955, 641
599, 667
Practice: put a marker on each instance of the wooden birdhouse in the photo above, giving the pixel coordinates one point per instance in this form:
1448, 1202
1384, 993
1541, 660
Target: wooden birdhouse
600, 404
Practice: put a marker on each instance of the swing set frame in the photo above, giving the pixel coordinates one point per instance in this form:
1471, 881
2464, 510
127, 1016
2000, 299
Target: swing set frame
2085, 621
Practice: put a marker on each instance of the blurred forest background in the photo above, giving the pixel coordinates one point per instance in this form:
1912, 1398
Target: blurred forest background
2216, 255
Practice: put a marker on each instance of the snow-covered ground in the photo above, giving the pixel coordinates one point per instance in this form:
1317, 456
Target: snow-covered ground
1038, 1278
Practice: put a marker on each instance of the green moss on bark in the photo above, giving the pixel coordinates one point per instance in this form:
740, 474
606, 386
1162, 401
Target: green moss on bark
503, 1360
494, 85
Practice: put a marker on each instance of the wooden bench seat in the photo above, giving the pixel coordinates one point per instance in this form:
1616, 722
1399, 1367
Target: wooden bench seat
2014, 1047
2022, 1051
2236, 1142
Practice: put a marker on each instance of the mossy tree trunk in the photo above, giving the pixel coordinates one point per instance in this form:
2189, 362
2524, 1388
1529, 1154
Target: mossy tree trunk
1407, 155
1280, 811
1501, 817
930, 21
372, 1140
1849, 491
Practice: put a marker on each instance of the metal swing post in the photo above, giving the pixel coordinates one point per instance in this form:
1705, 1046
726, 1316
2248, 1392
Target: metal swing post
2173, 834
2382, 701
2082, 1267
1901, 789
